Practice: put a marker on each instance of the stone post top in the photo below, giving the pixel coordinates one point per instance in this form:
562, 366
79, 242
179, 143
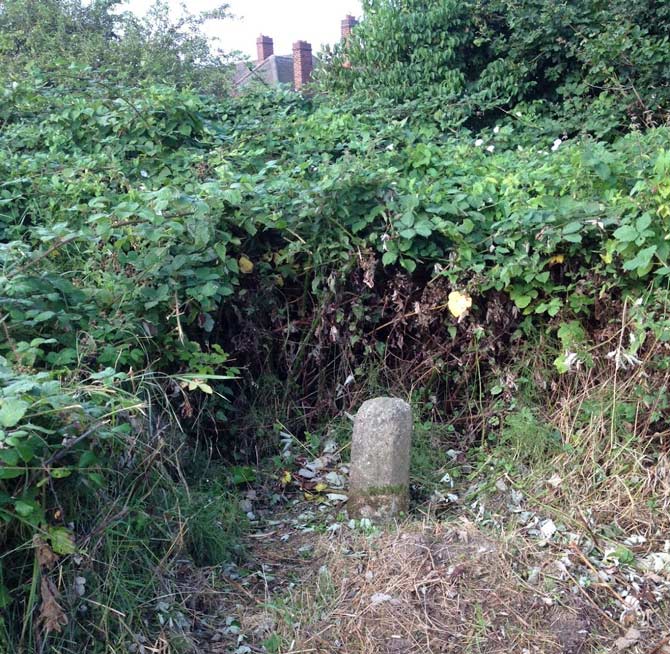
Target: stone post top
384, 404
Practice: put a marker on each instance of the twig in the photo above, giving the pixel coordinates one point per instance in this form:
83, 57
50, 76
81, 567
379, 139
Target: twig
8, 336
59, 244
592, 602
242, 589
588, 527
57, 456
593, 569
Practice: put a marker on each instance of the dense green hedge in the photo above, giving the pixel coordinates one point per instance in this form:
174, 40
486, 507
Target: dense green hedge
133, 226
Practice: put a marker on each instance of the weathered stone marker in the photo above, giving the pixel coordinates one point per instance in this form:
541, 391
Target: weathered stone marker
380, 451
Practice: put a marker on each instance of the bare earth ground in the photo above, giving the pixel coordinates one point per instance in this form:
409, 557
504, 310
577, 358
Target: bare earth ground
464, 583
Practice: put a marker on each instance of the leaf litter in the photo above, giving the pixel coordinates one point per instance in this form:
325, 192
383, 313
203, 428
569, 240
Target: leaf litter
496, 575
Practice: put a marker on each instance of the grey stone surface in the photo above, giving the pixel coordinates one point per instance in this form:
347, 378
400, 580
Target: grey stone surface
380, 455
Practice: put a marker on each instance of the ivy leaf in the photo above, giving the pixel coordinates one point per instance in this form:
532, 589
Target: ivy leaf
425, 229
408, 265
23, 508
572, 228
466, 227
643, 222
10, 472
389, 258
243, 474
642, 261
521, 298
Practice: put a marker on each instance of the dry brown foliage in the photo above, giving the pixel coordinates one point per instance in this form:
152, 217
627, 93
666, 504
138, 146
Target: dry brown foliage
436, 589
51, 616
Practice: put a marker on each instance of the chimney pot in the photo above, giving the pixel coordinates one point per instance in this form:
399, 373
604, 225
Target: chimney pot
347, 25
264, 47
303, 63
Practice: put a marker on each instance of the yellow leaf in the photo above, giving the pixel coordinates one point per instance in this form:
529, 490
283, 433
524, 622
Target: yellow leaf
320, 487
557, 258
245, 264
459, 303
285, 478
200, 385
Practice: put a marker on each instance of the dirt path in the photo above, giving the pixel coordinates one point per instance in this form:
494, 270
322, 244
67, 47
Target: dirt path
472, 581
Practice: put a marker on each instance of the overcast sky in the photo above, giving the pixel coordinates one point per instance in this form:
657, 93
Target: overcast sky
286, 21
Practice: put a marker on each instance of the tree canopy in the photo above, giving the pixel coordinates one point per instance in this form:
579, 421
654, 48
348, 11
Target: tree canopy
593, 65
112, 44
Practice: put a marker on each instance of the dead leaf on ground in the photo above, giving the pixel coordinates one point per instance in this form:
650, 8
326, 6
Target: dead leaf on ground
630, 638
51, 616
46, 557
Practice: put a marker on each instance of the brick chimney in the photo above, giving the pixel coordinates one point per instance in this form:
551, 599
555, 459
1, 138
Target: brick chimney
347, 25
302, 63
264, 47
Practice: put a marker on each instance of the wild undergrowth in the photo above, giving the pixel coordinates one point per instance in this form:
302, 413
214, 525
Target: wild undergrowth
186, 278
549, 530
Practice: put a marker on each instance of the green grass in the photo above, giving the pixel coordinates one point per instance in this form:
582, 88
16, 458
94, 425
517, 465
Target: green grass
527, 437
139, 541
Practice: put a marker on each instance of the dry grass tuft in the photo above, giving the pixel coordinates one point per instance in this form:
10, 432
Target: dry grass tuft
435, 589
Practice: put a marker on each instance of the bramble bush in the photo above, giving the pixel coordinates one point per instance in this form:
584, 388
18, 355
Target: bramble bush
575, 66
274, 229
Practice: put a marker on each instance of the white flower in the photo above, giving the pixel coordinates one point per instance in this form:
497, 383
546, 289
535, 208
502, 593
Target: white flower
496, 129
490, 148
556, 145
518, 114
479, 143
144, 173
